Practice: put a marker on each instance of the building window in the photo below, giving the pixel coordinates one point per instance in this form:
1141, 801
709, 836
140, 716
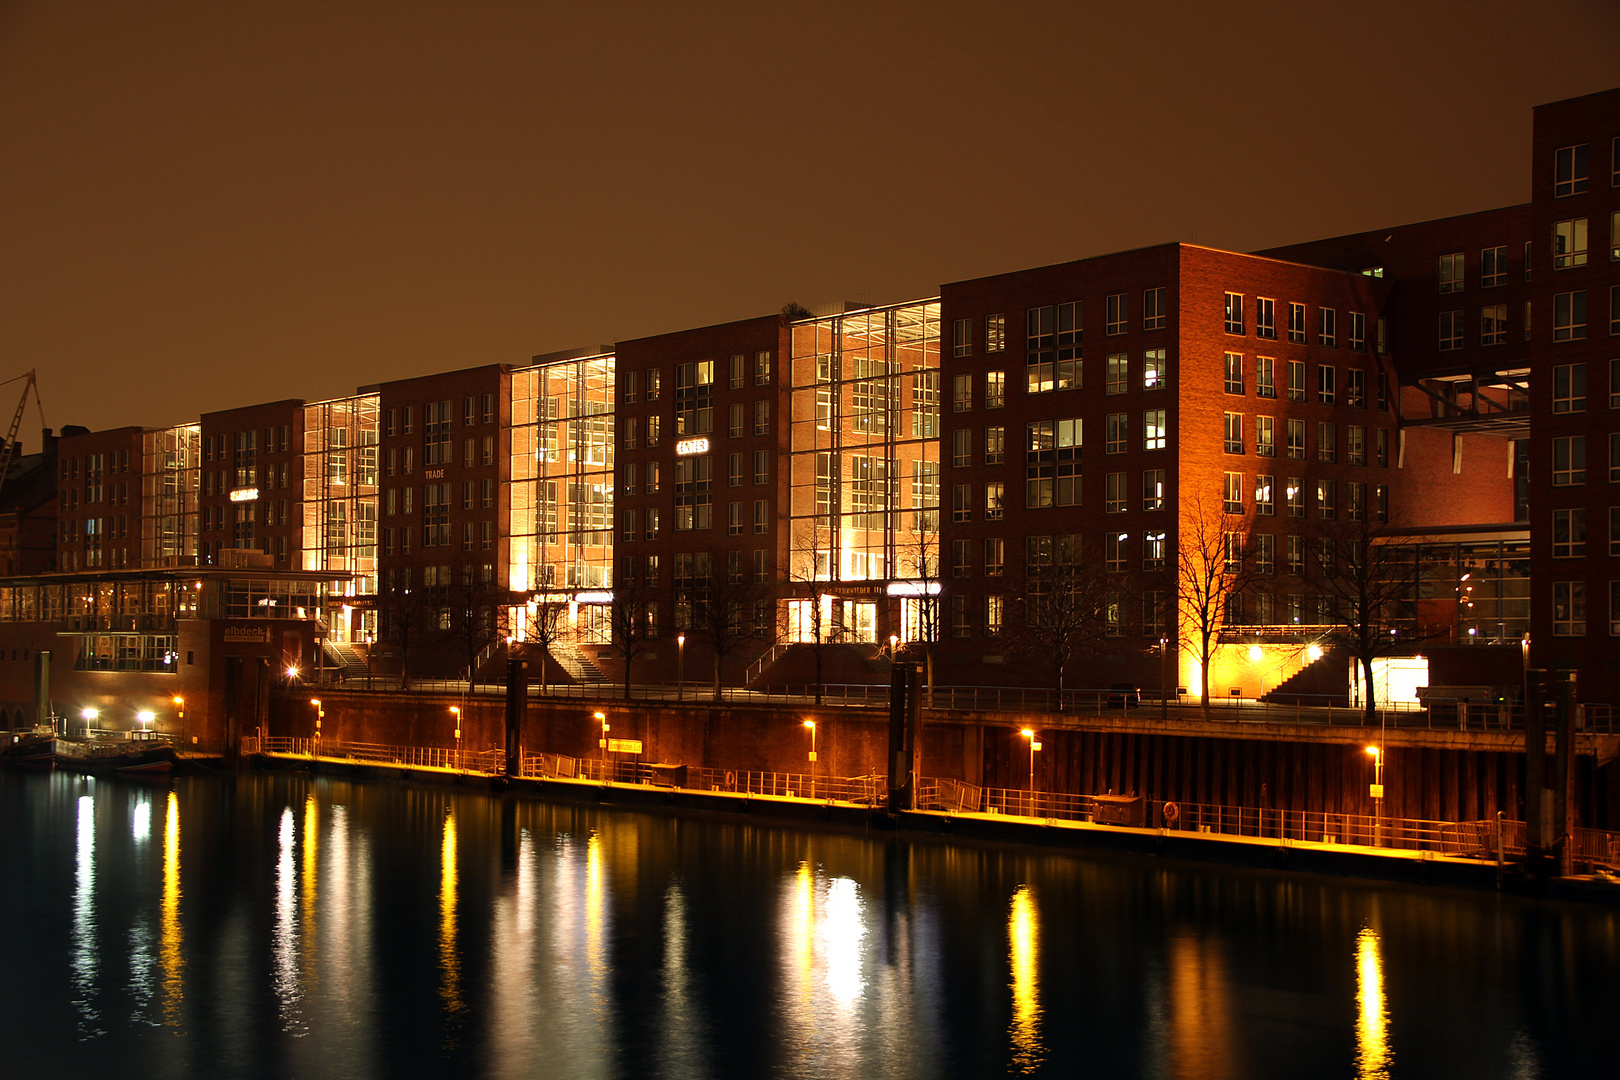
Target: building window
1296, 323
1234, 313
960, 566
1296, 380
1569, 460
1294, 495
694, 478
1355, 507
1569, 316
1614, 310
737, 371
1327, 440
762, 368
1614, 530
1265, 377
1232, 551
1451, 273
995, 500
962, 448
1232, 497
961, 625
1569, 608
995, 333
1116, 432
762, 417
1154, 435
1493, 267
961, 393
1265, 436
995, 389
1295, 563
1569, 388
1355, 445
734, 469
1234, 373
1614, 598
1569, 534
1355, 388
1153, 489
628, 517
1493, 324
1153, 309
994, 606
1326, 388
762, 466
1265, 504
1265, 318
1052, 463
961, 502
1114, 493
1325, 493
962, 337
737, 424
1234, 433
1569, 171
1116, 373
995, 556
1614, 236
1114, 552
1296, 439
1569, 244
1451, 330
1118, 306
762, 516
654, 425
654, 380
995, 445
1155, 369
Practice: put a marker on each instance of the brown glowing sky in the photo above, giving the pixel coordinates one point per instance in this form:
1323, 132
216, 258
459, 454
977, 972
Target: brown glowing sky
205, 205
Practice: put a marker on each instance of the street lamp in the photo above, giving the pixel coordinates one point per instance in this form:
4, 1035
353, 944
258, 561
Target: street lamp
601, 718
680, 667
456, 711
145, 718
1377, 790
1029, 734
89, 717
811, 724
179, 712
320, 714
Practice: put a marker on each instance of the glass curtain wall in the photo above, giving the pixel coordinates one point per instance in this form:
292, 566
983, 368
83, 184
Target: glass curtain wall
169, 487
561, 517
340, 509
864, 464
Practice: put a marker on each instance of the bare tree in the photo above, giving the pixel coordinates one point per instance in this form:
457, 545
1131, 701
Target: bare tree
1213, 569
1369, 572
811, 563
547, 626
919, 559
475, 604
720, 603
405, 618
1065, 606
633, 617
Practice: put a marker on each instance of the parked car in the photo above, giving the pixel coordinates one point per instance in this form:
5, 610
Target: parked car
1124, 696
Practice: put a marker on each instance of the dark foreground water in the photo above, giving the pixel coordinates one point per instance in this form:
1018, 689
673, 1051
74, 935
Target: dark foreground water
274, 926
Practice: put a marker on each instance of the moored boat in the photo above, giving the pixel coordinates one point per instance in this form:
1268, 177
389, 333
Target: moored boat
36, 749
129, 757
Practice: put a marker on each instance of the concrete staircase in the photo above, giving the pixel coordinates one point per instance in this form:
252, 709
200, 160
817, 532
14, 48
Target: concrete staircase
1321, 682
577, 664
345, 657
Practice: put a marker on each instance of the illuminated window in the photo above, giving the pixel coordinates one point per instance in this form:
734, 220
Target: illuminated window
1294, 495
1052, 463
653, 426
1154, 436
1493, 267
1155, 369
995, 333
1265, 377
1451, 273
1265, 436
762, 368
1234, 373
995, 389
1326, 491
995, 445
1153, 551
1569, 171
1265, 504
1153, 489
694, 398
994, 605
653, 382
1232, 497
1569, 244
995, 500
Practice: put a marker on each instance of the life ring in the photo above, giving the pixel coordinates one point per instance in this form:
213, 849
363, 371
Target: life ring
731, 780
1172, 813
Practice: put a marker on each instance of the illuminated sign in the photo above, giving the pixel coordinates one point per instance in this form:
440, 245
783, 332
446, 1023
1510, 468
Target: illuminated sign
688, 447
244, 494
620, 746
435, 474
593, 598
913, 588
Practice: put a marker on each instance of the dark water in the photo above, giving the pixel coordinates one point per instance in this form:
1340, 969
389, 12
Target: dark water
280, 927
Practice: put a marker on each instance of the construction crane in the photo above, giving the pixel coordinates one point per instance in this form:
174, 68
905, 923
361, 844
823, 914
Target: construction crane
10, 449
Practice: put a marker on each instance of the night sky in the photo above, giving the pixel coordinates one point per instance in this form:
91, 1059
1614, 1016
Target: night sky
214, 204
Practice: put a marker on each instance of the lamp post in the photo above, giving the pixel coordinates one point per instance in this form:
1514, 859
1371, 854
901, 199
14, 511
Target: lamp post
601, 718
1029, 734
1377, 792
811, 724
88, 716
456, 712
680, 667
145, 718
320, 714
179, 714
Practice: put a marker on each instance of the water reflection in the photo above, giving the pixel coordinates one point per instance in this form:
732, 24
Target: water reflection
171, 954
681, 1026
85, 963
1373, 1054
1200, 1022
449, 956
1023, 954
284, 938
822, 930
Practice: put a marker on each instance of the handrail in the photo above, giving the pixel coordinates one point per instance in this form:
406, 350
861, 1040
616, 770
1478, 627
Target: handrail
765, 660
